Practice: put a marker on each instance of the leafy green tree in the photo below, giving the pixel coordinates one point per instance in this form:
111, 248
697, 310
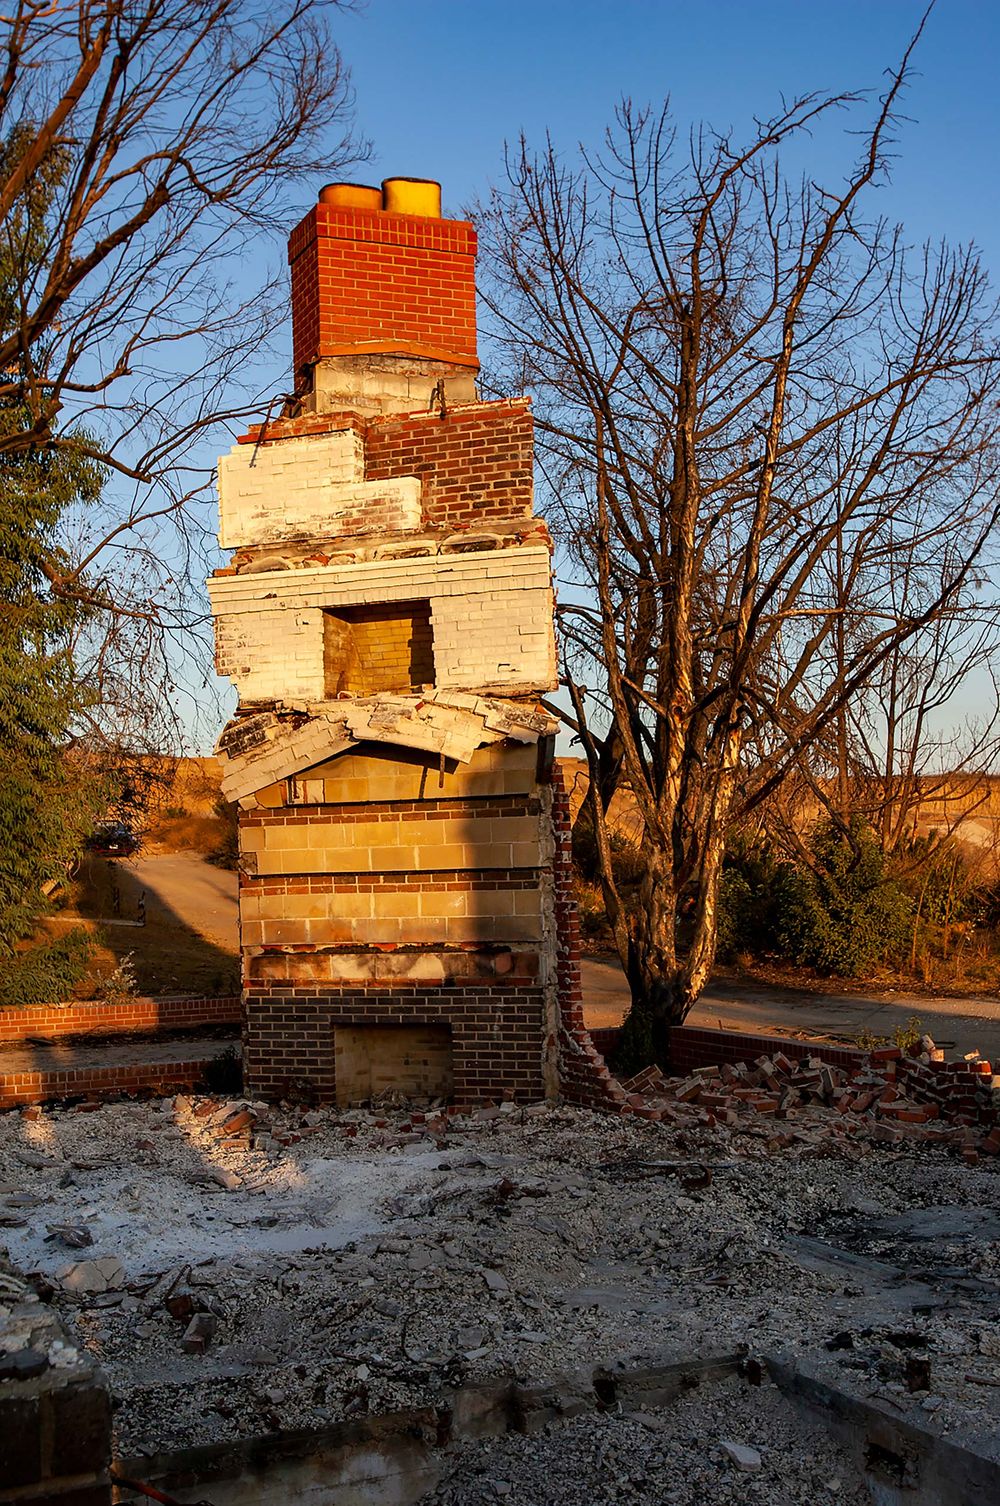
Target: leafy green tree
47, 798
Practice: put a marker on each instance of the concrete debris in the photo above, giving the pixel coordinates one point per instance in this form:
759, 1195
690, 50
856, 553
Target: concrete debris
37, 1159
746, 1459
73, 1236
228, 1180
23, 1364
536, 1241
62, 1356
103, 1275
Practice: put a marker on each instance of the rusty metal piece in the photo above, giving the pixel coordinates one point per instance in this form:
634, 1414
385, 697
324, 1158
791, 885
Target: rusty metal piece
149, 1491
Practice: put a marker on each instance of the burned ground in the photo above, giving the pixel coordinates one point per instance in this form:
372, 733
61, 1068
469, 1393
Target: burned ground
354, 1264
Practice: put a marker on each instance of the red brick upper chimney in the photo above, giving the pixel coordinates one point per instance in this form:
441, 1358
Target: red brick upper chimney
378, 271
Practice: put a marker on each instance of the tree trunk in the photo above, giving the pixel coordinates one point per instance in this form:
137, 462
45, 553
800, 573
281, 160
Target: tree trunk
654, 977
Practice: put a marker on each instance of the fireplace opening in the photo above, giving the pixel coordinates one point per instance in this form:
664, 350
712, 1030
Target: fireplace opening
374, 1061
367, 649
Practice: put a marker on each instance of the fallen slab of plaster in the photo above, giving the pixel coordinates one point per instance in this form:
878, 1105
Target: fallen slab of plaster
258, 750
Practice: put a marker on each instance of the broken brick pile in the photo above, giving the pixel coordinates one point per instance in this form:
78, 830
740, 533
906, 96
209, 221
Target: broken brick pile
888, 1097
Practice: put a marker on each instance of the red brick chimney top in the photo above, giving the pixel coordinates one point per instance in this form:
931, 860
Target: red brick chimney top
383, 279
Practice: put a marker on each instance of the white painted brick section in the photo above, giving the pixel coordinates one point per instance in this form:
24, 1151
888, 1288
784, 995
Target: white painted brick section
491, 615
309, 487
428, 576
270, 658
508, 640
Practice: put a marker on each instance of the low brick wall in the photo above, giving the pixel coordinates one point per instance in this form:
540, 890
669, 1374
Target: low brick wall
20, 1088
95, 1017
693, 1046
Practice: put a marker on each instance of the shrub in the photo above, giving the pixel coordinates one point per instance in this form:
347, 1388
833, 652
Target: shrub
45, 974
120, 985
750, 898
846, 912
908, 1037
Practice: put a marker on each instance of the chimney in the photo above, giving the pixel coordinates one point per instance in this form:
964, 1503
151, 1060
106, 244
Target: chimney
379, 272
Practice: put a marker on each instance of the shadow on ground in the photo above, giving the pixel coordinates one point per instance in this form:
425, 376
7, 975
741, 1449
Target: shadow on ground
168, 955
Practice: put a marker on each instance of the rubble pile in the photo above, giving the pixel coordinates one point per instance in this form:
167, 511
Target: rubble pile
888, 1098
240, 1268
692, 1456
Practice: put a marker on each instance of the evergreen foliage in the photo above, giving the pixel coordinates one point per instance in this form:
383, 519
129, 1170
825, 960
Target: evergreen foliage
48, 799
846, 912
751, 895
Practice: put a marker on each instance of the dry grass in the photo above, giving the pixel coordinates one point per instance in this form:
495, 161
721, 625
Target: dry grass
190, 832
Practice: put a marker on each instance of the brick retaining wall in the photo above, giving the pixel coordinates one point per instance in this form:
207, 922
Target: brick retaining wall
95, 1017
20, 1088
693, 1046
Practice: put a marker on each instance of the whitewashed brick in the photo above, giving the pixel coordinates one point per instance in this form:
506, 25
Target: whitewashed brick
491, 615
310, 486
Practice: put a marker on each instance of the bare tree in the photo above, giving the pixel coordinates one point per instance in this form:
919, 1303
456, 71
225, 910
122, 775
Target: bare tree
909, 749
755, 403
168, 139
917, 746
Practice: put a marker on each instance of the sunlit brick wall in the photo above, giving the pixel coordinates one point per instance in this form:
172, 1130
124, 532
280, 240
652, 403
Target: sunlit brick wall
474, 464
382, 282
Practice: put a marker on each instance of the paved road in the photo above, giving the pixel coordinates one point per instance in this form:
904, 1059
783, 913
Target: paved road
962, 1024
205, 897
198, 893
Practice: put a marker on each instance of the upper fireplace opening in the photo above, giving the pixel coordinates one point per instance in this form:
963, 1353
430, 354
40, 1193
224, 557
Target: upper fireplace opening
367, 649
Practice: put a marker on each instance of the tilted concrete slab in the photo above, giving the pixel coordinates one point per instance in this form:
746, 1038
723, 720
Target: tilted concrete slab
260, 750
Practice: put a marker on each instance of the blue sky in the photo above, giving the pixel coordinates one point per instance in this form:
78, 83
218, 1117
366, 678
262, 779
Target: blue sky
441, 85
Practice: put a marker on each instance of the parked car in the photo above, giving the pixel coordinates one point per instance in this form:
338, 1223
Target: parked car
112, 839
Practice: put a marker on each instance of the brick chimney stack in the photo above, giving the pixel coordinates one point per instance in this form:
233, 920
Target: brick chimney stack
387, 622
378, 272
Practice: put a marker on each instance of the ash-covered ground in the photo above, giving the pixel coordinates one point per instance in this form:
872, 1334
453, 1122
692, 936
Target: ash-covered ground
251, 1280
